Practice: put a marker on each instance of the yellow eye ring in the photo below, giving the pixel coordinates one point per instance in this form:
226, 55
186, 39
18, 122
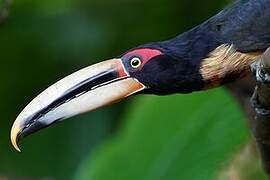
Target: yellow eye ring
135, 62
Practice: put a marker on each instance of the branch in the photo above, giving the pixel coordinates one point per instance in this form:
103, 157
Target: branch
4, 10
261, 103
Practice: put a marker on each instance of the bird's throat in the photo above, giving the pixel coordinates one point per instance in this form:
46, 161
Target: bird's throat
226, 64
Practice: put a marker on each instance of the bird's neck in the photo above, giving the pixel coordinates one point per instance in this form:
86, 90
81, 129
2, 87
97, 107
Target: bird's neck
225, 64
217, 62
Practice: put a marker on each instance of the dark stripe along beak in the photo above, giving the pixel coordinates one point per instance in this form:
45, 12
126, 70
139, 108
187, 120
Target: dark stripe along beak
85, 90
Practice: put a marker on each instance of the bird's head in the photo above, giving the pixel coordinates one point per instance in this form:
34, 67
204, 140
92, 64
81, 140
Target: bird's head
140, 70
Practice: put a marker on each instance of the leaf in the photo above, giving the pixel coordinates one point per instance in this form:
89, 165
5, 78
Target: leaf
245, 165
175, 137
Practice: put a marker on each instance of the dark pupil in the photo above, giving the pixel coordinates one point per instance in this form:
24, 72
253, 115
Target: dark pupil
135, 62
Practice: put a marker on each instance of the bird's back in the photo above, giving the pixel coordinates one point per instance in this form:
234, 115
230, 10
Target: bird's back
238, 36
246, 25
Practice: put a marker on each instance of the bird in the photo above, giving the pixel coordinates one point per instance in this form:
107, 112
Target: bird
211, 54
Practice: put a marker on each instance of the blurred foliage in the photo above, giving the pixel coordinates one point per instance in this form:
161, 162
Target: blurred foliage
43, 41
179, 137
244, 165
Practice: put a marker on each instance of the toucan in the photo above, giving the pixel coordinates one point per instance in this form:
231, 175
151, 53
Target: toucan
216, 52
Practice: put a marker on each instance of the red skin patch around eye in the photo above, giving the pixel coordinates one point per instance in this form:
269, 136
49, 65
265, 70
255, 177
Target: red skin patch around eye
145, 54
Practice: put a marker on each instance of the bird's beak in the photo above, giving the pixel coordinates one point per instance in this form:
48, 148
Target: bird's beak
85, 90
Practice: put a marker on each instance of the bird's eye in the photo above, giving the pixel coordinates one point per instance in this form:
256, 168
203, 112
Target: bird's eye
135, 62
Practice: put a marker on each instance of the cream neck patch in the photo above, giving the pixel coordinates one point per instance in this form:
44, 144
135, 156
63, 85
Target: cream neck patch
224, 62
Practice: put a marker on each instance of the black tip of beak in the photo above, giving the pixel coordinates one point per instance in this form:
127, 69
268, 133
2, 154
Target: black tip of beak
30, 129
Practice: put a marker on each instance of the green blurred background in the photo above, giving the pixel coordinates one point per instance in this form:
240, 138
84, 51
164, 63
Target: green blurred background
185, 137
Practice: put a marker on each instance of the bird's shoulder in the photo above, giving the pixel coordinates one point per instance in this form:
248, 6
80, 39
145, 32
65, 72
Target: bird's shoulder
246, 24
